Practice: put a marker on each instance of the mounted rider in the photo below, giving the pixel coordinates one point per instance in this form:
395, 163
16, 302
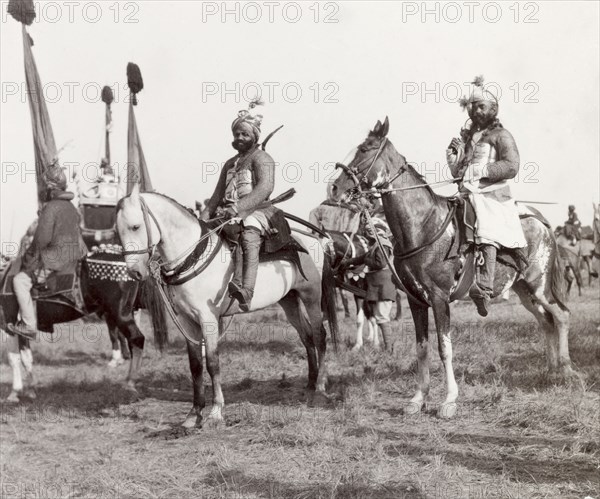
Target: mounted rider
57, 246
244, 186
573, 221
484, 158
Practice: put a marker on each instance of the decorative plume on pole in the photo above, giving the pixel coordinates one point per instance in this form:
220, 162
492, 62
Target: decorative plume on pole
43, 136
22, 10
137, 171
134, 81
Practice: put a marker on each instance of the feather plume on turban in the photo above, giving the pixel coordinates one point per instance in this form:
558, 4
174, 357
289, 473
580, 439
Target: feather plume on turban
249, 117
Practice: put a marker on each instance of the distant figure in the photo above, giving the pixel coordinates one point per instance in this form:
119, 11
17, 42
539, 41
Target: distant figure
572, 226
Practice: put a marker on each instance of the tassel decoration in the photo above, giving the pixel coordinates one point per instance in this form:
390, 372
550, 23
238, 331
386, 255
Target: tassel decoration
22, 10
134, 80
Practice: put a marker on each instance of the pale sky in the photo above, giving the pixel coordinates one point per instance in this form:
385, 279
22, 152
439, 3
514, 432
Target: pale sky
378, 59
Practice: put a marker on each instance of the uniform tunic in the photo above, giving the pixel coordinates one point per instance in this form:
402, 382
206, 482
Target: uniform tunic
57, 244
246, 181
493, 155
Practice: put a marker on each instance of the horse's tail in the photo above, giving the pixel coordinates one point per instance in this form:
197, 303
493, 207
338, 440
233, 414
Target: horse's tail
328, 298
557, 281
151, 300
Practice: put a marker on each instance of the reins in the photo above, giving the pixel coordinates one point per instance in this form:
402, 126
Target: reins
353, 174
172, 277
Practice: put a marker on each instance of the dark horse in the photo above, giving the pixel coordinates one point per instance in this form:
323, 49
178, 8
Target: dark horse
111, 296
415, 216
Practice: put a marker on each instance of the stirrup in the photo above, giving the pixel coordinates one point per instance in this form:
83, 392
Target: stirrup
244, 298
233, 287
481, 299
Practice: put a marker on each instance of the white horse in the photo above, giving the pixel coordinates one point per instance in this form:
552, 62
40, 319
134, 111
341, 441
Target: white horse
162, 227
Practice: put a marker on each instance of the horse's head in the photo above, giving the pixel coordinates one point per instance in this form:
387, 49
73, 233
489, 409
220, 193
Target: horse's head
367, 169
138, 233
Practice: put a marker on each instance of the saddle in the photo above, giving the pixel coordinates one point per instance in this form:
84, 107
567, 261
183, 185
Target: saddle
465, 247
62, 289
287, 248
278, 243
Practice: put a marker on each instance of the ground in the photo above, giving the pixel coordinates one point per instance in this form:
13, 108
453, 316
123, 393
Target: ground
517, 433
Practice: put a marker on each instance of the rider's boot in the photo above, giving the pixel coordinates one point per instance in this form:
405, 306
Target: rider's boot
250, 242
481, 291
238, 268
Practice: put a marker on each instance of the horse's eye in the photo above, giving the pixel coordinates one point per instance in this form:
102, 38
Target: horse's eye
135, 227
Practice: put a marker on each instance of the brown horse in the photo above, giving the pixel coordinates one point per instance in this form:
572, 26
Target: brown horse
415, 215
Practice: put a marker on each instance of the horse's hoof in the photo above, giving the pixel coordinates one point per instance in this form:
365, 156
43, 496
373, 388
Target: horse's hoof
413, 408
13, 398
447, 410
192, 422
356, 348
30, 393
215, 422
115, 363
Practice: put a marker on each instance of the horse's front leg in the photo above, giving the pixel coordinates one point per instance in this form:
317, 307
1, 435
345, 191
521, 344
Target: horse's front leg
14, 360
441, 315
210, 331
27, 362
194, 417
421, 319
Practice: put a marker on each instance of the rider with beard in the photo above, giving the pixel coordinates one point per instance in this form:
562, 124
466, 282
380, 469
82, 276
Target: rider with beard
484, 158
246, 181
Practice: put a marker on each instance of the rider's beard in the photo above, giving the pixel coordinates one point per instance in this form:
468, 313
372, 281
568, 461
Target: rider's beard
483, 120
242, 146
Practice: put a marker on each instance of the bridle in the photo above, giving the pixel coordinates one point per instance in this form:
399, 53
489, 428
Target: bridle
169, 271
151, 248
172, 275
354, 171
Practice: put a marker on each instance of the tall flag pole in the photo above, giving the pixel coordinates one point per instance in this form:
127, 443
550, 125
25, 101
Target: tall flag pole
137, 171
43, 137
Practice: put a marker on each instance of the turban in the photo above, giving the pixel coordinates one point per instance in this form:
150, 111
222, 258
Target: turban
55, 178
248, 117
478, 93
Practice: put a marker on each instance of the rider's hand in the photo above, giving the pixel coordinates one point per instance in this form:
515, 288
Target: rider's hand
229, 213
457, 145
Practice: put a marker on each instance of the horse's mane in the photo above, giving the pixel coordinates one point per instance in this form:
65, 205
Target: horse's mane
188, 211
413, 171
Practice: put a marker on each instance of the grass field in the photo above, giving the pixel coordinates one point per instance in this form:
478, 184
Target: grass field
516, 433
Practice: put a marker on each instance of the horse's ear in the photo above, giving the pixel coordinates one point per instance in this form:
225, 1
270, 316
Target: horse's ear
385, 128
377, 127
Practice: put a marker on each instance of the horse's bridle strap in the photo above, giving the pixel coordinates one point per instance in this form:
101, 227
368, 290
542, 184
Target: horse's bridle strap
147, 214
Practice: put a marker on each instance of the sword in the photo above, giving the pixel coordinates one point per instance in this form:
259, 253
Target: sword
535, 202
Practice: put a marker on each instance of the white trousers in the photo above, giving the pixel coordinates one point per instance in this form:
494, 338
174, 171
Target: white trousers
22, 285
